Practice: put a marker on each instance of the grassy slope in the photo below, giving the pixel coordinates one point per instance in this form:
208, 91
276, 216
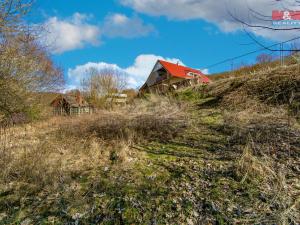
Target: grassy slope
213, 171
255, 68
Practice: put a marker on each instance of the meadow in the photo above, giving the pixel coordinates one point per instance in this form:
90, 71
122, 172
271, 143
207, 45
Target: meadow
226, 153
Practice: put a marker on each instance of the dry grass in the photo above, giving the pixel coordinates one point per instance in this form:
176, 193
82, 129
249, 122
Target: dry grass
252, 70
276, 88
48, 149
274, 133
155, 119
280, 199
264, 106
261, 114
161, 158
50, 159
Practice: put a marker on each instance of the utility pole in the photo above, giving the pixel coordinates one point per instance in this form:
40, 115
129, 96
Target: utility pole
281, 55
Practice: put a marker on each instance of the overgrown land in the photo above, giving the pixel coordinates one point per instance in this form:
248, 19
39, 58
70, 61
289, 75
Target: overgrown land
226, 153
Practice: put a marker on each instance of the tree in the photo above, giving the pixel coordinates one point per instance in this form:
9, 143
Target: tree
264, 58
241, 65
103, 83
25, 66
294, 46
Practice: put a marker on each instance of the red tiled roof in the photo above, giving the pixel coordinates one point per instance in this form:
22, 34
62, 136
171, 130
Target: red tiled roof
182, 71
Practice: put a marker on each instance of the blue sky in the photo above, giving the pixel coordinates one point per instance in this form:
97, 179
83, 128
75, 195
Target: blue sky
132, 34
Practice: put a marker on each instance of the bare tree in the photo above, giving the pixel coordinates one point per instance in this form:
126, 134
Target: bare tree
264, 58
25, 66
294, 47
103, 83
242, 65
11, 15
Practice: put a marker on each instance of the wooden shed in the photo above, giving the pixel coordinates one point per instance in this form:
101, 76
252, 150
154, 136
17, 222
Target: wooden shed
71, 104
117, 99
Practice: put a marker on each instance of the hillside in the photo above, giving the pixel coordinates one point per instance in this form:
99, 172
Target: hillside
226, 153
246, 70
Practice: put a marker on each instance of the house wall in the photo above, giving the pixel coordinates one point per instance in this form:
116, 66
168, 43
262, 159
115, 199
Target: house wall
172, 82
81, 110
175, 80
165, 85
60, 111
153, 77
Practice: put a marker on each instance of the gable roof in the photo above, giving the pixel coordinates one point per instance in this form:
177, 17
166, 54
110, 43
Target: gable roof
181, 71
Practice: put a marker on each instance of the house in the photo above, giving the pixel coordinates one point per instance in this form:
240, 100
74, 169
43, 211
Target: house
70, 104
117, 99
167, 76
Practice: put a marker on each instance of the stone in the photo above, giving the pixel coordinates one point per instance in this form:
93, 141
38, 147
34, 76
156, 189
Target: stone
26, 222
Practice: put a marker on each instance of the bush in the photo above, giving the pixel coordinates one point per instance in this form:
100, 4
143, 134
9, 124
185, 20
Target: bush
148, 120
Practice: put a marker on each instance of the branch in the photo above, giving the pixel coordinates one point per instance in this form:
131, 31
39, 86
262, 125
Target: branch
268, 48
261, 26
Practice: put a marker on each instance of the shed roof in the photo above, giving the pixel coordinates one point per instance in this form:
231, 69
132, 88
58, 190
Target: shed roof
74, 100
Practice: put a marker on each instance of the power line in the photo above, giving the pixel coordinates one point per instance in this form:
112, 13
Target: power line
249, 53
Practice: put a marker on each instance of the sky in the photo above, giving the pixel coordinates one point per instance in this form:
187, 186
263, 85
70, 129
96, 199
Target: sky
131, 35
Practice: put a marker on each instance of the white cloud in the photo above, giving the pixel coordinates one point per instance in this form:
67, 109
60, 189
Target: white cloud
119, 25
72, 33
217, 12
76, 32
82, 71
205, 71
136, 73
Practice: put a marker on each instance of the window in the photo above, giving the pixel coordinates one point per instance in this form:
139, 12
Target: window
192, 74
